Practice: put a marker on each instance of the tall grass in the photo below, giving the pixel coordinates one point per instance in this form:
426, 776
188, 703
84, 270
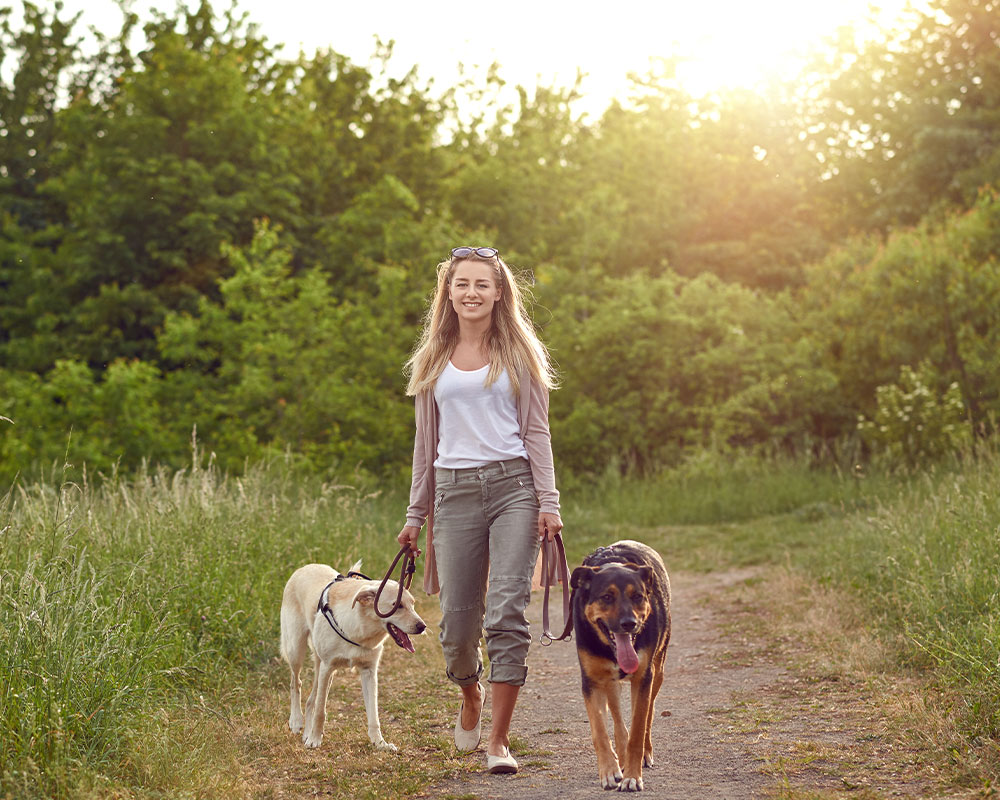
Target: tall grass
715, 487
118, 598
929, 562
123, 601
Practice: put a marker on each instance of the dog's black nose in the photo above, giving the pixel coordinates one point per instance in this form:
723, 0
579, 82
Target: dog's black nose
629, 624
420, 628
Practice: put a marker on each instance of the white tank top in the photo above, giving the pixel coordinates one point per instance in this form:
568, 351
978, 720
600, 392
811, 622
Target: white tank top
478, 424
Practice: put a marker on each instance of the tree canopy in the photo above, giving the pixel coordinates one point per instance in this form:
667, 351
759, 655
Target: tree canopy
197, 232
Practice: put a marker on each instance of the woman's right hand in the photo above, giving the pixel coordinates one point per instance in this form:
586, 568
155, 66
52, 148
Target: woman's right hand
408, 538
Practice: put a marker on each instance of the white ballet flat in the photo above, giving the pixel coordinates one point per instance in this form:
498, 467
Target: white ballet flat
467, 741
501, 765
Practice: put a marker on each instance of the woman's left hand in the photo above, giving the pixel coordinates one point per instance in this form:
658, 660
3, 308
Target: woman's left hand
549, 525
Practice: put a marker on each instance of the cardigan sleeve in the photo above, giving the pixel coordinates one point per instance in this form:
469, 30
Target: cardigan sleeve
419, 506
538, 444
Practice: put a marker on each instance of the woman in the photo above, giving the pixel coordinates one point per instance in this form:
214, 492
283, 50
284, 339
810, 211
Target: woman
483, 454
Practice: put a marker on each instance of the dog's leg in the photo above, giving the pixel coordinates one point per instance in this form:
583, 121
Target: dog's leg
294, 645
312, 736
369, 689
647, 751
311, 700
615, 706
595, 697
642, 689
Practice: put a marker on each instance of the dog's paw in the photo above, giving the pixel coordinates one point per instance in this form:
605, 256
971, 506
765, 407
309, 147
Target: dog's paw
610, 779
312, 741
388, 747
295, 725
647, 760
630, 785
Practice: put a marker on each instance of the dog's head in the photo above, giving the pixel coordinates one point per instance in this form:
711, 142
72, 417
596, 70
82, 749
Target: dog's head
616, 602
403, 623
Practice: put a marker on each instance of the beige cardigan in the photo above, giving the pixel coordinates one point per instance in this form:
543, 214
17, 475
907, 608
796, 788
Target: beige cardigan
533, 418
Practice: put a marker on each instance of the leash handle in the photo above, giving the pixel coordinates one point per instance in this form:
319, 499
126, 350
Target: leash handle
406, 570
554, 565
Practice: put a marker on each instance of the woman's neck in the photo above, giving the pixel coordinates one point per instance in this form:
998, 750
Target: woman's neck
470, 353
469, 331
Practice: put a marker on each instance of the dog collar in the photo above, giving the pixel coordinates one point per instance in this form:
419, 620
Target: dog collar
324, 609
351, 574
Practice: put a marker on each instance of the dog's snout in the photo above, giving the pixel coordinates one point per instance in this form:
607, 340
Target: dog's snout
629, 624
420, 627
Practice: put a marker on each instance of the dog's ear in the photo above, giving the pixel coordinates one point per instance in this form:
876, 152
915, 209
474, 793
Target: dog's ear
364, 596
647, 575
581, 577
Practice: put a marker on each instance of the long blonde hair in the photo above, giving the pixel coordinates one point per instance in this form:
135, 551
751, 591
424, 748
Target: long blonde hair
511, 340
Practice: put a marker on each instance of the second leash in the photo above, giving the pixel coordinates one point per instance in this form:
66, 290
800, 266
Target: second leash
406, 570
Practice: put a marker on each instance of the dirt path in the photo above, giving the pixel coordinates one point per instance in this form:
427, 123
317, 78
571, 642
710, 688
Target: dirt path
732, 721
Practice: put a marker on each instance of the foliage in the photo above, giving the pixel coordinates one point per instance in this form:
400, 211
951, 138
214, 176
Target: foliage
102, 420
122, 600
929, 562
929, 294
915, 425
280, 360
906, 123
657, 367
198, 232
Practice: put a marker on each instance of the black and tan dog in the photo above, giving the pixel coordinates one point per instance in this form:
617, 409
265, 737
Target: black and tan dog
621, 615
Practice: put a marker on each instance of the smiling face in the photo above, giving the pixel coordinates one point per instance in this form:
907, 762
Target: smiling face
473, 291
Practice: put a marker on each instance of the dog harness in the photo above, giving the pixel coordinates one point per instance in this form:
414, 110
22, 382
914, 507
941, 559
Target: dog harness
327, 612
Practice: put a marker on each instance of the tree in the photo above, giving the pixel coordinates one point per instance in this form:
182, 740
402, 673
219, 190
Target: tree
909, 122
279, 361
928, 295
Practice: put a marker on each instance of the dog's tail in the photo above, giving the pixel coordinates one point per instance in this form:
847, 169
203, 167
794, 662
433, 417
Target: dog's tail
356, 566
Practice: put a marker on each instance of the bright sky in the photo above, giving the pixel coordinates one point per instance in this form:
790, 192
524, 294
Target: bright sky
725, 43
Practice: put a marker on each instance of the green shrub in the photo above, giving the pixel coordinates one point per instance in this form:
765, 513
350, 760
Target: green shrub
914, 422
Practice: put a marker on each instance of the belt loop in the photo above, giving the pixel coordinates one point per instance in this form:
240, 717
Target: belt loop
503, 467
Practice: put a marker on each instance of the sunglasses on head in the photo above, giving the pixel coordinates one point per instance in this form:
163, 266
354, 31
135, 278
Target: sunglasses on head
482, 252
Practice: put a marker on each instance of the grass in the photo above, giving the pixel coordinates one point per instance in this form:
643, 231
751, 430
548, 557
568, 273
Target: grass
132, 597
930, 561
138, 617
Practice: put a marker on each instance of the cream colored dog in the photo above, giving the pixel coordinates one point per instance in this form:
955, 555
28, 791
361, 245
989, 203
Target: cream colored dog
336, 615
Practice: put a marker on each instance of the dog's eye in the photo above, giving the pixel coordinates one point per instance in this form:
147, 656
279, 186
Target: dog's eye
608, 598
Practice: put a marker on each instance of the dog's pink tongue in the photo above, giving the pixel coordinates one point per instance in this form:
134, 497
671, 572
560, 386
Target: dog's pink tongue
628, 661
400, 638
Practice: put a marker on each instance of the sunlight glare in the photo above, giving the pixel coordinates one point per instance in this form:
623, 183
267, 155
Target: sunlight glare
719, 44
735, 44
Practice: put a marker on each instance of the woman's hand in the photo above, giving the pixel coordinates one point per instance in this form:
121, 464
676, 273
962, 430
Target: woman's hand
408, 538
549, 525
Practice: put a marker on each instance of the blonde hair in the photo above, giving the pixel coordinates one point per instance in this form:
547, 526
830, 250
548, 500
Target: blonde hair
511, 340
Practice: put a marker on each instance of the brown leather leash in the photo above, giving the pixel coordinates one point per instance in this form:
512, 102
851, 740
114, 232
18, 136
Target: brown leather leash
554, 565
406, 570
